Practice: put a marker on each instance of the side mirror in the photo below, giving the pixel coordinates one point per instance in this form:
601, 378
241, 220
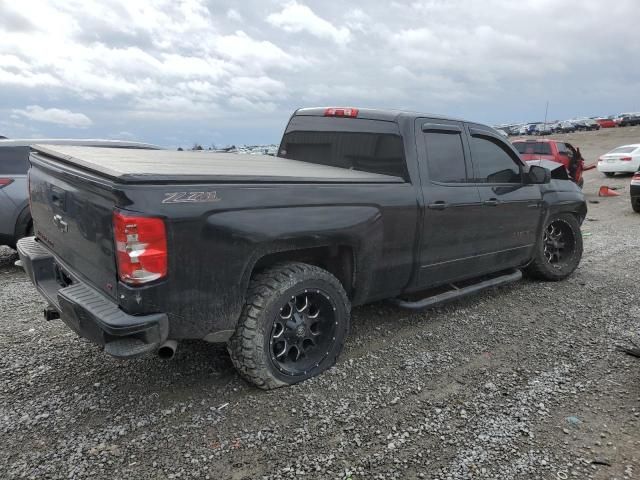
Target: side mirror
539, 174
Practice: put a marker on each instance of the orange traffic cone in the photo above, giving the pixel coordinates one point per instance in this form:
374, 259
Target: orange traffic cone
607, 192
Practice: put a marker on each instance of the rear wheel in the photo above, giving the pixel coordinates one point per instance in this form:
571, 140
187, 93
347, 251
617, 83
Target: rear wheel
293, 325
609, 174
559, 251
635, 204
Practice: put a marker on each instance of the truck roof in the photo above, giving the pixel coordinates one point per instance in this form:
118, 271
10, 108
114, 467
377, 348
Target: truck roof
376, 114
147, 166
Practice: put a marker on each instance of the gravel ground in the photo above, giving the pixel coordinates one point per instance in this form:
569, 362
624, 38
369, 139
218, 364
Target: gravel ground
520, 382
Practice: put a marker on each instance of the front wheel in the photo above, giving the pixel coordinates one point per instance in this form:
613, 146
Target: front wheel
293, 325
609, 174
558, 252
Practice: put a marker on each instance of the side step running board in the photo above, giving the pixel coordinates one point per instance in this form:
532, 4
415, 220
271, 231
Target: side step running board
456, 293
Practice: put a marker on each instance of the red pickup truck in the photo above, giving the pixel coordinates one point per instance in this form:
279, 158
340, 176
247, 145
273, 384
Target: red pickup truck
556, 151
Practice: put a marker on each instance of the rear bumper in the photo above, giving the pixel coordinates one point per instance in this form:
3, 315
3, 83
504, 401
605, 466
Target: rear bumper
86, 311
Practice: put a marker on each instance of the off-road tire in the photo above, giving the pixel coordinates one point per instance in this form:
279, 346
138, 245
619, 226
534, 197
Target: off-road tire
250, 348
540, 267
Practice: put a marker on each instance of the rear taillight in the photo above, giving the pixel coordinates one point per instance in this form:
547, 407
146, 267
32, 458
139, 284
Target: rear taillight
626, 159
141, 247
5, 181
341, 112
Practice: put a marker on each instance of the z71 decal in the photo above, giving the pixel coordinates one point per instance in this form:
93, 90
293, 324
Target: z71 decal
190, 197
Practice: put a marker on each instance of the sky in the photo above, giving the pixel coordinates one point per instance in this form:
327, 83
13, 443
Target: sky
221, 72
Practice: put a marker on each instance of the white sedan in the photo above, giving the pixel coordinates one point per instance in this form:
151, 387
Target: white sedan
621, 159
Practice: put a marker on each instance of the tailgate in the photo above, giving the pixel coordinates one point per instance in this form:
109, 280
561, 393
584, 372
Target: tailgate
72, 216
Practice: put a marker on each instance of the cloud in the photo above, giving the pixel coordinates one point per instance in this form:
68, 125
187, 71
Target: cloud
56, 116
261, 53
181, 69
12, 20
233, 14
296, 18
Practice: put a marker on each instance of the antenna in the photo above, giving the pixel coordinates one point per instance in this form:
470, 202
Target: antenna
546, 110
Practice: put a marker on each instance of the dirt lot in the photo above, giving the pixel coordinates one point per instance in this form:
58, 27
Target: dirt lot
522, 382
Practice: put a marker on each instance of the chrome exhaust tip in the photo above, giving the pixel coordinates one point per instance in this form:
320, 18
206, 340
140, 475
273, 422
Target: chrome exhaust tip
167, 350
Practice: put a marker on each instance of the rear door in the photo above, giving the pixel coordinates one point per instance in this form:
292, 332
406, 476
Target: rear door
511, 211
448, 249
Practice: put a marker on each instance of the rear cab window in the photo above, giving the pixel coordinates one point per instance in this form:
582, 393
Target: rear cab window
14, 160
373, 146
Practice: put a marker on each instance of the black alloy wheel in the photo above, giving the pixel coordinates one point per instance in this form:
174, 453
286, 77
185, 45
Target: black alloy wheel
303, 332
559, 249
559, 243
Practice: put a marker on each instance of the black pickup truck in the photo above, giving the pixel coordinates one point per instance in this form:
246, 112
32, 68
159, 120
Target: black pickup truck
137, 250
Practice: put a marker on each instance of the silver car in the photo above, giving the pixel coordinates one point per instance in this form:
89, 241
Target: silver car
15, 218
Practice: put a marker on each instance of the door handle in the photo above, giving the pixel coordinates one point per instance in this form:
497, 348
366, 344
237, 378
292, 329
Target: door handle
492, 202
439, 205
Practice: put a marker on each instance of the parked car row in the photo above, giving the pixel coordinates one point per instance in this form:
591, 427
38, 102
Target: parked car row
570, 126
627, 119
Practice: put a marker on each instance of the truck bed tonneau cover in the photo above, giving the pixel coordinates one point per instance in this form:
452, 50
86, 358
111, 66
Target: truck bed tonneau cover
141, 166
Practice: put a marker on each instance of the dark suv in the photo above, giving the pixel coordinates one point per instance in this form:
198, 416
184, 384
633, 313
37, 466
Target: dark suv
15, 218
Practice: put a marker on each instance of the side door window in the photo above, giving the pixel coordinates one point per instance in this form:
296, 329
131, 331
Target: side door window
562, 147
567, 150
445, 156
494, 162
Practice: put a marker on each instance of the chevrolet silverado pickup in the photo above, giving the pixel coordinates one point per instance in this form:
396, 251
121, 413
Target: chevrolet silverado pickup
137, 250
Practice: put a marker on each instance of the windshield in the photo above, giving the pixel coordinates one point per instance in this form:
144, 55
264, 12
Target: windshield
535, 148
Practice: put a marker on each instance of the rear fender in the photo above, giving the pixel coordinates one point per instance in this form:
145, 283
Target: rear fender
262, 232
